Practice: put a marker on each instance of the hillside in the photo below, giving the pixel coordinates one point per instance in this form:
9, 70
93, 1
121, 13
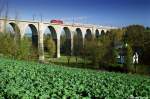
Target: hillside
20, 79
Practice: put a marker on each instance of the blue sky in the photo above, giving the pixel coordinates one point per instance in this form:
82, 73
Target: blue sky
103, 12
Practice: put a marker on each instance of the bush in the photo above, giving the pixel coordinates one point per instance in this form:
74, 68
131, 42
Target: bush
8, 45
16, 48
49, 46
23, 51
128, 58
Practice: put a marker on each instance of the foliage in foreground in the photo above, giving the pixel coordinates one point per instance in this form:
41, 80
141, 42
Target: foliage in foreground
49, 46
19, 79
14, 47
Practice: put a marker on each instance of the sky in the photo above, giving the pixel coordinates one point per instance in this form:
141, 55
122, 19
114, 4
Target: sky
101, 12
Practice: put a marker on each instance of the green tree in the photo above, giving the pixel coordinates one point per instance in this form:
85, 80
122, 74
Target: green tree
114, 37
97, 50
7, 44
106, 49
49, 46
135, 38
114, 55
117, 35
23, 51
128, 58
135, 35
77, 46
146, 49
91, 50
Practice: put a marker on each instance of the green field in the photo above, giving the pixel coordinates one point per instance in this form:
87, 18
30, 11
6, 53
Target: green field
29, 80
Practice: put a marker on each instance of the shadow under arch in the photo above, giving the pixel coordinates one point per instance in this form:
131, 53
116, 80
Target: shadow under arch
97, 34
88, 35
31, 35
65, 41
102, 32
34, 35
13, 29
50, 33
77, 41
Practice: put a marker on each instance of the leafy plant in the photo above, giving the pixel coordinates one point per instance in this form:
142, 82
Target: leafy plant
19, 79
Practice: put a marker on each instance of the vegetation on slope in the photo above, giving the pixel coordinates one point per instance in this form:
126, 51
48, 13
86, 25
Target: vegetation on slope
19, 79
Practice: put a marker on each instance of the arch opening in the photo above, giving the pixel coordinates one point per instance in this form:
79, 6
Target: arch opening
77, 42
32, 33
107, 32
97, 34
88, 35
13, 29
65, 41
102, 32
50, 42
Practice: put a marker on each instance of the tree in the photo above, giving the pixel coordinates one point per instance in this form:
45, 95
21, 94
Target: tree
23, 51
8, 46
128, 57
117, 35
135, 37
66, 46
138, 37
114, 55
146, 50
77, 45
106, 49
91, 51
97, 50
49, 46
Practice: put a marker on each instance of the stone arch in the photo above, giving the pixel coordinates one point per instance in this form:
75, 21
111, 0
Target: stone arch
33, 35
102, 32
68, 32
65, 41
53, 34
78, 41
15, 27
97, 34
107, 32
15, 30
88, 35
79, 33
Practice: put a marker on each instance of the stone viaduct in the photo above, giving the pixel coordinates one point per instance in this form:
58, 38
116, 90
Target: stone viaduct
38, 29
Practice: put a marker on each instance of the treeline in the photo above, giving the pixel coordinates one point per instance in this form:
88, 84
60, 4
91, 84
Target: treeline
101, 52
104, 50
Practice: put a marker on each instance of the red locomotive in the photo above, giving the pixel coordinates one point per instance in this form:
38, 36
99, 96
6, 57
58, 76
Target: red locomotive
56, 22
